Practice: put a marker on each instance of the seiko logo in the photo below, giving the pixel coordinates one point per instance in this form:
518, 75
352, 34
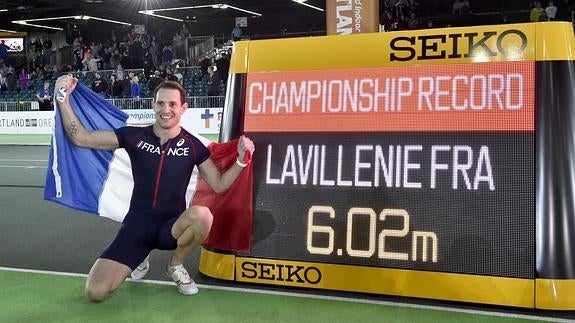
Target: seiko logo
281, 272
406, 48
180, 142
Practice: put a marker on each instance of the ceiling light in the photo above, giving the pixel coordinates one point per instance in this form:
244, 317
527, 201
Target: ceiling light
246, 11
303, 2
83, 17
184, 8
153, 14
51, 18
107, 20
218, 6
215, 6
22, 22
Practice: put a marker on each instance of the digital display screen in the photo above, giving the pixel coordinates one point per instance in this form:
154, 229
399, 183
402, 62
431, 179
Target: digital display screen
15, 44
422, 167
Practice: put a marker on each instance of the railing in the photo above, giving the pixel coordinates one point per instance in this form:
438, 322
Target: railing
197, 102
105, 74
137, 71
197, 47
189, 69
19, 106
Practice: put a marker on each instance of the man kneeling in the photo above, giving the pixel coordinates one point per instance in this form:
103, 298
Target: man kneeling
158, 217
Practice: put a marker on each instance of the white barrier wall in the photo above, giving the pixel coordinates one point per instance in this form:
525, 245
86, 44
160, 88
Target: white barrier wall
26, 122
203, 121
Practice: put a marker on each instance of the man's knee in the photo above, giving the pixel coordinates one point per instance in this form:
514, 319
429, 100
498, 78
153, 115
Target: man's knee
201, 218
205, 218
104, 278
96, 293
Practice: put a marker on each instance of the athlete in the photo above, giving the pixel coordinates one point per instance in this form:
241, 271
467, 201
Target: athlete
163, 156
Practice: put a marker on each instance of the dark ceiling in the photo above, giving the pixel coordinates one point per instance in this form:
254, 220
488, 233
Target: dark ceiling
277, 15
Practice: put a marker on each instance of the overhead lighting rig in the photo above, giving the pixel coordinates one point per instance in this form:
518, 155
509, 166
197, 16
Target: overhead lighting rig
33, 22
154, 12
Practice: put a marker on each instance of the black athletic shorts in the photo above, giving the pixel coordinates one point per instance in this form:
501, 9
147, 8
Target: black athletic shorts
137, 237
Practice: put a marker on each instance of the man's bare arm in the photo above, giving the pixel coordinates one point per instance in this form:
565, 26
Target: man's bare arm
75, 130
221, 182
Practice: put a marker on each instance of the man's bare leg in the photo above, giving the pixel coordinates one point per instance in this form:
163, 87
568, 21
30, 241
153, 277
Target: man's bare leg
190, 230
104, 278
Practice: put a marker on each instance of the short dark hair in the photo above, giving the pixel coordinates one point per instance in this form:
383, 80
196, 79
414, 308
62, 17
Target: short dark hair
171, 85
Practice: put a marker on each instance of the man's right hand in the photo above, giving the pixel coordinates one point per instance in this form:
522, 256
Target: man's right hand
66, 82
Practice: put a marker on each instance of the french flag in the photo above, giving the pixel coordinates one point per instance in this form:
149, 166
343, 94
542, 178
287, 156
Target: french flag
100, 182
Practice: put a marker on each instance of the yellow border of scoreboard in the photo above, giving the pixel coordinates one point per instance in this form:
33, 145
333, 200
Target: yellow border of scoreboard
546, 41
555, 294
399, 282
543, 42
539, 293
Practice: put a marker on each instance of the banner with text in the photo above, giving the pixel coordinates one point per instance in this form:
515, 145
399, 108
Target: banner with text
203, 121
344, 17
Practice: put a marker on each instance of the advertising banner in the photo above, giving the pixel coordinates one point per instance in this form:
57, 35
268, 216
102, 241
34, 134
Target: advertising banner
344, 17
203, 121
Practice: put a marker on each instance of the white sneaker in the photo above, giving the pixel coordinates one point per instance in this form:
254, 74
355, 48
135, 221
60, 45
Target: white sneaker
142, 269
180, 276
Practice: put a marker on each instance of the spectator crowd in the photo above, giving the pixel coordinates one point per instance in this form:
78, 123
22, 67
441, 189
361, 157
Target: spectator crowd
156, 57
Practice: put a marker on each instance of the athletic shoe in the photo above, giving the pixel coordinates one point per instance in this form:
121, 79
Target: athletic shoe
180, 276
142, 269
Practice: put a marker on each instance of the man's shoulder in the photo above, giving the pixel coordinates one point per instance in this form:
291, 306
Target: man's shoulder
194, 137
132, 130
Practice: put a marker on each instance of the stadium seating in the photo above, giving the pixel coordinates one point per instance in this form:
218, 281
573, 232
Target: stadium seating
192, 80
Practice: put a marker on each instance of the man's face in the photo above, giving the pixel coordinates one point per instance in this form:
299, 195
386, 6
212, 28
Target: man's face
168, 108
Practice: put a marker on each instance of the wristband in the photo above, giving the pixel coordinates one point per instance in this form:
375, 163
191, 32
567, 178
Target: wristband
239, 163
61, 95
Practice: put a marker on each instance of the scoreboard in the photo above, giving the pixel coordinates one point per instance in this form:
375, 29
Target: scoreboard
388, 161
402, 167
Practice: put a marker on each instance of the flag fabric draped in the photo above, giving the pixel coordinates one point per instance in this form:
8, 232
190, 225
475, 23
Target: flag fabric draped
100, 182
75, 176
234, 208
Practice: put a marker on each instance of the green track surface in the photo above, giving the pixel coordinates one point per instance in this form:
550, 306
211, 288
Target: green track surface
45, 139
32, 297
25, 139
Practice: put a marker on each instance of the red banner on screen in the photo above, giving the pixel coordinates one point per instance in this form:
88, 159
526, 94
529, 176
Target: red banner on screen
466, 97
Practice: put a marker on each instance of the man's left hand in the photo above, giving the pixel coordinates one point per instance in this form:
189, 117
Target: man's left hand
245, 144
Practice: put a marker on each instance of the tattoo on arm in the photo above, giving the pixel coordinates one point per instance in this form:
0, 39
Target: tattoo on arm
73, 129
